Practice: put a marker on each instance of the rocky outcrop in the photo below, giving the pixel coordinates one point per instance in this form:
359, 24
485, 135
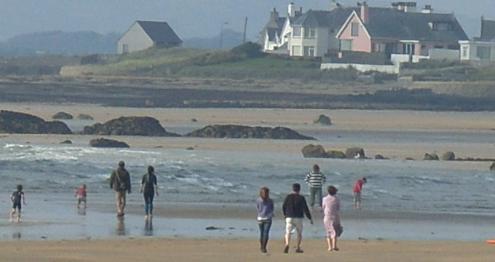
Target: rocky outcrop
103, 142
380, 157
323, 120
492, 167
448, 156
314, 151
84, 117
430, 157
66, 142
62, 116
237, 131
129, 126
355, 152
21, 123
336, 154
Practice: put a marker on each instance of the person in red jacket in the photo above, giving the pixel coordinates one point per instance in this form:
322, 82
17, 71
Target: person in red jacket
358, 187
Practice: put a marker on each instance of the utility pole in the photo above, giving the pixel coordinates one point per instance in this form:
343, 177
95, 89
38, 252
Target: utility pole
245, 30
221, 33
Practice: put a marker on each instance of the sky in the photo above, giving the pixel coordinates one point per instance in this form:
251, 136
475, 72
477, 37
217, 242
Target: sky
190, 18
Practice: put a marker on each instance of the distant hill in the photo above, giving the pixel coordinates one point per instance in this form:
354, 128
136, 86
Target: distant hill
58, 42
230, 39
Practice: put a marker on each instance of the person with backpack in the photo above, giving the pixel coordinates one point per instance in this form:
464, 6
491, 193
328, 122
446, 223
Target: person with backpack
17, 199
120, 182
149, 188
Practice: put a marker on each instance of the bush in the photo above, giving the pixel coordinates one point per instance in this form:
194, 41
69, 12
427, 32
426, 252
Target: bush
248, 50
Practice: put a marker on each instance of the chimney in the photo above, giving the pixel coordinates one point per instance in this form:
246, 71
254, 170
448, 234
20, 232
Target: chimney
427, 9
291, 9
365, 12
274, 14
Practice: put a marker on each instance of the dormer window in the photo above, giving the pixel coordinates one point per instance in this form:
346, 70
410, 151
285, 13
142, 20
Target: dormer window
441, 26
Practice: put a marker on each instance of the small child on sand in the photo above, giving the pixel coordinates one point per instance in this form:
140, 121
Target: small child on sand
17, 198
81, 196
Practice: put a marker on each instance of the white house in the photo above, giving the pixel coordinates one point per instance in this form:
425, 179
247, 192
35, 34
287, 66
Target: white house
480, 50
276, 33
145, 34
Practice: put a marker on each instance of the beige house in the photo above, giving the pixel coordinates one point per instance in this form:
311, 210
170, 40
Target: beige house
480, 50
145, 34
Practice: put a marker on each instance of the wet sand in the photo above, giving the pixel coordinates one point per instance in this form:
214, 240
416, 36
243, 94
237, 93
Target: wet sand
240, 250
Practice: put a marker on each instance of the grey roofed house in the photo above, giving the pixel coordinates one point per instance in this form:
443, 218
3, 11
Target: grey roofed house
145, 34
390, 23
487, 30
332, 19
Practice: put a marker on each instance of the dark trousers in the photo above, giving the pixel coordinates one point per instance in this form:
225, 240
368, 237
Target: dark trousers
264, 226
148, 202
315, 193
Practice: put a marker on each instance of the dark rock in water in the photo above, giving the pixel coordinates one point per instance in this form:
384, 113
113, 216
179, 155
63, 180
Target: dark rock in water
430, 157
66, 142
129, 126
194, 120
355, 152
103, 142
380, 157
323, 120
448, 156
410, 159
336, 154
314, 151
213, 228
237, 131
190, 148
63, 116
84, 117
21, 123
492, 167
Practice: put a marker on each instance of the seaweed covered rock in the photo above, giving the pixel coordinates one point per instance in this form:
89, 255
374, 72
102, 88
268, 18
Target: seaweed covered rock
323, 120
355, 152
314, 151
84, 117
448, 156
238, 131
336, 154
21, 123
62, 116
431, 157
103, 142
129, 126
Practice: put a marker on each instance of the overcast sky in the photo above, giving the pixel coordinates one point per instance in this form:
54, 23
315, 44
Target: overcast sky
189, 18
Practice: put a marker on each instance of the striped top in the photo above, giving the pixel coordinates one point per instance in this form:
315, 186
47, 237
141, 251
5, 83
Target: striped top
315, 179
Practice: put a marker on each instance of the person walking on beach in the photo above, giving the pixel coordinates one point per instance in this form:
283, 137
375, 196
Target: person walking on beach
294, 209
315, 180
120, 182
265, 208
17, 199
358, 188
81, 196
149, 188
331, 218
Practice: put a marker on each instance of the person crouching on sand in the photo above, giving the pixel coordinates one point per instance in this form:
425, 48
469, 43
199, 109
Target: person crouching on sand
81, 196
331, 218
265, 208
17, 199
294, 209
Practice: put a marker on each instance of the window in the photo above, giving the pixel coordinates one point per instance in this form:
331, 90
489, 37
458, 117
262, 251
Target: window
346, 45
408, 48
125, 48
483, 52
309, 32
465, 52
355, 29
441, 26
309, 51
296, 31
296, 50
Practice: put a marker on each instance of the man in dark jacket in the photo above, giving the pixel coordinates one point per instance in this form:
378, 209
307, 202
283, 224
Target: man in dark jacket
120, 182
294, 208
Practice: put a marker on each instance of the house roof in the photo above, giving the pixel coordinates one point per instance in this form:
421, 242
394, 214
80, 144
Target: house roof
319, 18
273, 28
159, 32
395, 24
487, 30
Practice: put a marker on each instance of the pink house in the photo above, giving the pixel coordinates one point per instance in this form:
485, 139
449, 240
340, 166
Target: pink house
400, 29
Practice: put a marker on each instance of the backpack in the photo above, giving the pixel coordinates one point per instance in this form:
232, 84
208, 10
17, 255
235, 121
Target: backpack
121, 185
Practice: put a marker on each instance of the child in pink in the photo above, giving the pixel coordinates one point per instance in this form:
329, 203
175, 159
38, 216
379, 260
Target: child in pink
81, 196
331, 218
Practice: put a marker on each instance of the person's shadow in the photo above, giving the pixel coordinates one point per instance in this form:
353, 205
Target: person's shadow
148, 227
120, 229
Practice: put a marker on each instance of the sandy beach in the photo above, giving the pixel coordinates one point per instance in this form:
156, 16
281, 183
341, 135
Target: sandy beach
240, 250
